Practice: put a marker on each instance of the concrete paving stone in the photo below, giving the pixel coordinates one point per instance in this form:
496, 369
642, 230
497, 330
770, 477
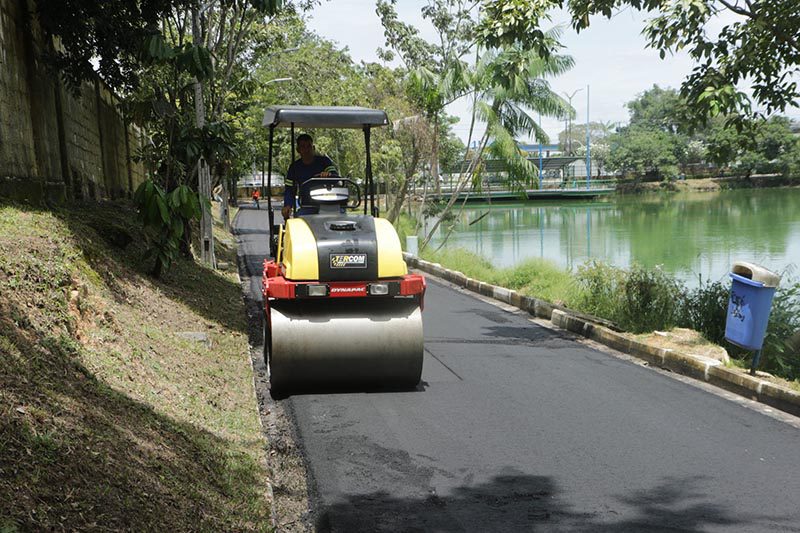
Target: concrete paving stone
460, 279
543, 309
728, 376
502, 294
686, 364
647, 352
780, 397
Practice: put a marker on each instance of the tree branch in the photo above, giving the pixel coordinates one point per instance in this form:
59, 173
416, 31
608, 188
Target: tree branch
752, 15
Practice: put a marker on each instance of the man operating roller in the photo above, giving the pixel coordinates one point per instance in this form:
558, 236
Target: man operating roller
309, 164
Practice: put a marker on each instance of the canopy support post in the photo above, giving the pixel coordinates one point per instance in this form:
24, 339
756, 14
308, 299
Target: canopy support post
370, 183
294, 201
270, 213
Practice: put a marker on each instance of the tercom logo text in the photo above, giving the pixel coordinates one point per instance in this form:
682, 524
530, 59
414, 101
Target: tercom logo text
348, 260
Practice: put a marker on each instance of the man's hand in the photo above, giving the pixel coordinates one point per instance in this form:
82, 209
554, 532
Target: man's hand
286, 212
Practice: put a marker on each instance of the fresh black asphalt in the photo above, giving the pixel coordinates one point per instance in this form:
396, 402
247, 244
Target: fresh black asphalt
516, 427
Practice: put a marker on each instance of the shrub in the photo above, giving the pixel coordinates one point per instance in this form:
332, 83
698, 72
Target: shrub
540, 278
600, 284
637, 300
651, 300
705, 310
778, 357
165, 217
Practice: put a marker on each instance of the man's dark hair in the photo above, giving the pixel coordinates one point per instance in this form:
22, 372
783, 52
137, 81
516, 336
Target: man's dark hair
305, 137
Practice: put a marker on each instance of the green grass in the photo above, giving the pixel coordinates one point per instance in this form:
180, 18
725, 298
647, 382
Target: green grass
538, 278
108, 419
405, 226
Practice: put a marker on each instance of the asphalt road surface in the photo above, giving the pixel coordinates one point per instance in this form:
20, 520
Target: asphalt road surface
516, 427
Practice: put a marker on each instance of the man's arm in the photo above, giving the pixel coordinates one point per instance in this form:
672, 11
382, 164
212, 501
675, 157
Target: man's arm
328, 167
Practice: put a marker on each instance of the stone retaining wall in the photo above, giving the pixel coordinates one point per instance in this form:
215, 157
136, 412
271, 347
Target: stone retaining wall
57, 144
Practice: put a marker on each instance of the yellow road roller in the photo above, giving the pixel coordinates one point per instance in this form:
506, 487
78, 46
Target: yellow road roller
340, 308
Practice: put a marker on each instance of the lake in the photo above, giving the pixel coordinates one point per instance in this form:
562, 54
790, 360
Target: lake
689, 234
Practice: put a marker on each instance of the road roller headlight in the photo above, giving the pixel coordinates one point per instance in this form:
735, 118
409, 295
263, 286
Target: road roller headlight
317, 290
379, 289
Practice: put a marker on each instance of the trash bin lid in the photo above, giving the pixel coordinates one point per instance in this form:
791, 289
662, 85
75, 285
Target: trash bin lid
756, 273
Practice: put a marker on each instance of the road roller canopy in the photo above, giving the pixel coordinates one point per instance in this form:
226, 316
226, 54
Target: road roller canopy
306, 116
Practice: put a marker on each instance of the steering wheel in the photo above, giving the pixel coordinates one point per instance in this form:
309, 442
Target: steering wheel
327, 181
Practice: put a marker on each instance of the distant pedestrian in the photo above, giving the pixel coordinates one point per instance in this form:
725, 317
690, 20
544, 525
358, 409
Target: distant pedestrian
256, 196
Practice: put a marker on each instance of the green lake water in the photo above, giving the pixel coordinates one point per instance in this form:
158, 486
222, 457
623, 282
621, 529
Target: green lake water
688, 234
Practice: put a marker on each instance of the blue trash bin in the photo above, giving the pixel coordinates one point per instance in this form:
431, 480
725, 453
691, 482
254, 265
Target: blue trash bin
752, 289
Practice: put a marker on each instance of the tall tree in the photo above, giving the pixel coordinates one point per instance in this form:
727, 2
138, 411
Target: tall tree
510, 85
759, 47
438, 69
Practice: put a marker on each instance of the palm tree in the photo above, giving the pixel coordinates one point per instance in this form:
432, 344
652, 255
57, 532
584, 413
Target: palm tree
507, 86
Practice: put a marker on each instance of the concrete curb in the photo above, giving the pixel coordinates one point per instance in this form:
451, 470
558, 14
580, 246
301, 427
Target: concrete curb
701, 368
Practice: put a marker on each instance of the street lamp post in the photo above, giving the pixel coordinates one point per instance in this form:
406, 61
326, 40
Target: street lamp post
569, 127
588, 143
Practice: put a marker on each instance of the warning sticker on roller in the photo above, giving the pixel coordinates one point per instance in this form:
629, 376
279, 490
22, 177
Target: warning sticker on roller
348, 260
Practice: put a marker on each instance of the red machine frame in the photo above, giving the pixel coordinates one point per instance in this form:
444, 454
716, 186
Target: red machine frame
275, 286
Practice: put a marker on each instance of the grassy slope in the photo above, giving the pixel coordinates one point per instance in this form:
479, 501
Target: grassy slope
108, 419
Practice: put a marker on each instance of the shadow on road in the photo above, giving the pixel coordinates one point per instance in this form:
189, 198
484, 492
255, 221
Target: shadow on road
517, 502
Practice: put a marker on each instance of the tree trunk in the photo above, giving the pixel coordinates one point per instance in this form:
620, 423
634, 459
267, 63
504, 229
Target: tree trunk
463, 181
186, 241
397, 205
226, 219
203, 174
435, 156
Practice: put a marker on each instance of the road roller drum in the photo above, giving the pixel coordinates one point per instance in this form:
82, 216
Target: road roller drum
345, 343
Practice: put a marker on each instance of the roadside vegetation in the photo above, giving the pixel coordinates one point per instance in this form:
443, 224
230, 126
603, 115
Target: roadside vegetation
642, 300
113, 415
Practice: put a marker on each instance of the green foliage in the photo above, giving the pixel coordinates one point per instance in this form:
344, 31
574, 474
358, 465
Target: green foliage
705, 310
600, 284
540, 278
122, 36
652, 300
637, 299
779, 356
658, 109
110, 31
642, 151
758, 43
535, 277
658, 143
772, 147
164, 217
402, 37
513, 23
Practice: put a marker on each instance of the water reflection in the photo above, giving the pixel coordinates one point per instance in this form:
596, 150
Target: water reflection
690, 235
